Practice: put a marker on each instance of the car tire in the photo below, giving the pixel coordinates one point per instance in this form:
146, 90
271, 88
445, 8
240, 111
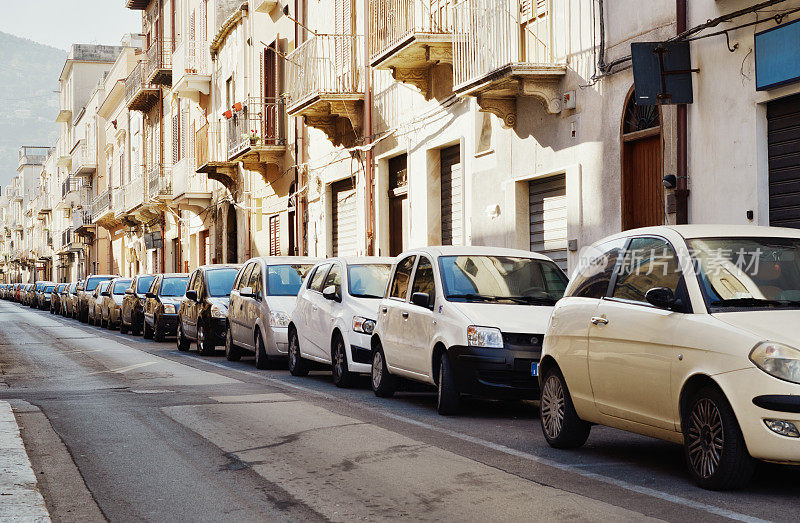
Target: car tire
262, 358
123, 328
342, 377
717, 458
232, 352
181, 341
561, 426
297, 365
158, 330
448, 398
384, 384
204, 347
147, 332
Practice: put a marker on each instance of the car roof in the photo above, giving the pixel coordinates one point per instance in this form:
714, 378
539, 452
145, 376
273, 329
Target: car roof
175, 275
710, 231
283, 260
360, 260
474, 250
220, 266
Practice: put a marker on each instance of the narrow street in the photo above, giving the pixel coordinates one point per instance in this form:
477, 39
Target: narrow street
157, 434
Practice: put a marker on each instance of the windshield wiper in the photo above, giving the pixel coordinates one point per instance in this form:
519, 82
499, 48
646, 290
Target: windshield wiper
754, 302
522, 300
472, 297
533, 300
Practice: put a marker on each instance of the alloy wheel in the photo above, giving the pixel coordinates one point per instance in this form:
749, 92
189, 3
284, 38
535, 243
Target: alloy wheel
339, 362
553, 406
377, 369
705, 438
293, 351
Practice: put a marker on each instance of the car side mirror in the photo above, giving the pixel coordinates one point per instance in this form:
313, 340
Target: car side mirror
128, 291
662, 297
421, 299
247, 292
191, 295
331, 293
149, 294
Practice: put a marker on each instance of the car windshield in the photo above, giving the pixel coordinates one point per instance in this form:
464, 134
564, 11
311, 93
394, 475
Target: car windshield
220, 281
92, 283
285, 280
502, 279
368, 281
49, 288
143, 284
737, 273
174, 286
120, 286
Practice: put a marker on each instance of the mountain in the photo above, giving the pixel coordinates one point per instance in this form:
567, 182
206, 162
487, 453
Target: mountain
28, 98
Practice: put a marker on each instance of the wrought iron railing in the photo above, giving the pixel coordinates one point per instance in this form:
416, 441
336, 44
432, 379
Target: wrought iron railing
391, 21
159, 56
191, 57
159, 181
134, 193
326, 64
83, 156
186, 179
102, 203
71, 184
259, 123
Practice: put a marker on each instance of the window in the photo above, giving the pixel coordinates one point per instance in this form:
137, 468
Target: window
648, 263
319, 277
274, 236
254, 281
334, 278
220, 282
368, 281
402, 276
423, 278
594, 271
120, 286
243, 279
174, 286
285, 280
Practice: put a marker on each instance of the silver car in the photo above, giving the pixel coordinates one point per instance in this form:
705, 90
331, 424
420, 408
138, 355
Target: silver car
261, 305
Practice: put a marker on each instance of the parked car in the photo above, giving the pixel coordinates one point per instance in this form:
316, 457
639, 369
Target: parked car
34, 292
261, 305
203, 312
133, 304
85, 294
30, 294
71, 299
45, 295
111, 302
467, 320
63, 299
335, 315
161, 305
94, 303
55, 297
687, 334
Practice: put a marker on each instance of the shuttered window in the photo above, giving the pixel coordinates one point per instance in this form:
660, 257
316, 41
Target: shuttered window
274, 236
176, 132
548, 218
343, 218
783, 137
452, 197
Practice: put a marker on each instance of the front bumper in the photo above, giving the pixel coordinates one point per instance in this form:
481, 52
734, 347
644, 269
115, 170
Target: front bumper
359, 357
745, 390
218, 328
169, 324
278, 342
496, 373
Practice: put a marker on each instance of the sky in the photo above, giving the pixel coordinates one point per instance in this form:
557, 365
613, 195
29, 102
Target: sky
60, 23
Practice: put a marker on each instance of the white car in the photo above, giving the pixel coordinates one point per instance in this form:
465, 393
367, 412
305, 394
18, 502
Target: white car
335, 315
468, 320
261, 304
687, 334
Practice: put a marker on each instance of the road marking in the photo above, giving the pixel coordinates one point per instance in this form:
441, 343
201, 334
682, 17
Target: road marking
573, 469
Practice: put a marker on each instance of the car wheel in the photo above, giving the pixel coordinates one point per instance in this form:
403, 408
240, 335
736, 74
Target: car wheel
232, 352
123, 327
204, 347
158, 330
182, 342
147, 332
262, 358
383, 383
715, 450
342, 377
297, 365
562, 427
448, 399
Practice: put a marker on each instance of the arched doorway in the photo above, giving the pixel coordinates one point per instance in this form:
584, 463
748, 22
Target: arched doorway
232, 251
642, 189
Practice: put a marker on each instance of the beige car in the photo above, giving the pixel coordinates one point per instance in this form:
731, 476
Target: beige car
687, 334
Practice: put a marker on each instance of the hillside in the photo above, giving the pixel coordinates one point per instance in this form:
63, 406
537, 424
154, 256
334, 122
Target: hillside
28, 101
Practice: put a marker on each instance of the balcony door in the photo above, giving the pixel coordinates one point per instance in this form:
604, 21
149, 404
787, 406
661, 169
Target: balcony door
269, 92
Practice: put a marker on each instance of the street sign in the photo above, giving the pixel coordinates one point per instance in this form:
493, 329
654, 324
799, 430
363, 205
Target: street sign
662, 73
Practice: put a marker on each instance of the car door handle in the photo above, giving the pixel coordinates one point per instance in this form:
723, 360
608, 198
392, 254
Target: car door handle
597, 320
384, 310
314, 308
405, 315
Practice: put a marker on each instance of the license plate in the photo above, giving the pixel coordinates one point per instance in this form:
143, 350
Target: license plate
534, 369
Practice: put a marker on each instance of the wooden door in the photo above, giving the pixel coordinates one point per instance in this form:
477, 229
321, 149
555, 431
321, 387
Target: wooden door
398, 224
642, 190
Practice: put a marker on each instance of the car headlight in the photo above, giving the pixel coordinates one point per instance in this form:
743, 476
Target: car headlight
279, 319
169, 308
363, 325
218, 311
484, 337
777, 359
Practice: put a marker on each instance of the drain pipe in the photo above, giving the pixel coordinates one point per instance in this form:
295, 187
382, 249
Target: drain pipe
369, 168
682, 190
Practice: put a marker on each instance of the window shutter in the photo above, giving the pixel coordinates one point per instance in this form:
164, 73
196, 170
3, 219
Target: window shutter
176, 151
274, 236
184, 132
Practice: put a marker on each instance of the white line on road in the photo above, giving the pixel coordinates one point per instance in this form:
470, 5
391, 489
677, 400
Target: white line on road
573, 469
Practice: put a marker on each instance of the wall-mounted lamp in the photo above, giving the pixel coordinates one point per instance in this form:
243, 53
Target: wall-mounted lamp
670, 181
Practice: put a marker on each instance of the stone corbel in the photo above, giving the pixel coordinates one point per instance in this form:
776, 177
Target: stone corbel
419, 77
353, 110
503, 108
546, 92
227, 176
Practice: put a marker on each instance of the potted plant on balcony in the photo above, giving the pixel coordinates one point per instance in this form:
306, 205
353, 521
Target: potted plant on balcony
253, 137
228, 114
237, 106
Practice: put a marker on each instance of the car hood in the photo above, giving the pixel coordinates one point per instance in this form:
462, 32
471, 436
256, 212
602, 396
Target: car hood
282, 304
118, 299
221, 302
772, 325
531, 319
171, 300
366, 307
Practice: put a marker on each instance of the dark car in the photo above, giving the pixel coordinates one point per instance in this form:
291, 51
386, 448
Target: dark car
132, 317
30, 294
85, 294
55, 298
45, 296
203, 314
161, 305
36, 294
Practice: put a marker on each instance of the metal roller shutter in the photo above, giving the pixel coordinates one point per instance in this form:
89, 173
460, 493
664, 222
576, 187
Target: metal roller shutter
783, 121
343, 226
452, 197
548, 218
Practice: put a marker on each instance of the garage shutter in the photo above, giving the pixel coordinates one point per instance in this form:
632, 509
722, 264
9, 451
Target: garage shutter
345, 238
548, 218
452, 197
783, 120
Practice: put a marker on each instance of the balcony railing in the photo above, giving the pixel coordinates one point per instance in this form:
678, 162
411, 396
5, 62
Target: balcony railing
119, 201
159, 181
258, 124
134, 193
395, 21
326, 64
102, 204
81, 218
191, 67
140, 94
490, 34
70, 185
66, 237
84, 158
159, 61
186, 180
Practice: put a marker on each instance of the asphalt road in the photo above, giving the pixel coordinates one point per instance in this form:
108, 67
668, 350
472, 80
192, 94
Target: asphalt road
126, 429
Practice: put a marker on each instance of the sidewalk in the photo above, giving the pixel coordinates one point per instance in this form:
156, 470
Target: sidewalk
20, 499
